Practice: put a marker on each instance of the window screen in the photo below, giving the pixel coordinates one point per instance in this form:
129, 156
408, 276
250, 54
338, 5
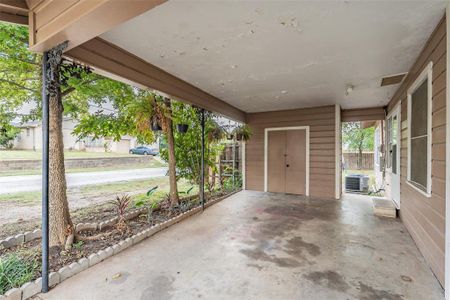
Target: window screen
419, 136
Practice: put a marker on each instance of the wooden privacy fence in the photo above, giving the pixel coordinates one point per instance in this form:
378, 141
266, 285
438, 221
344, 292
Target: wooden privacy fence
350, 161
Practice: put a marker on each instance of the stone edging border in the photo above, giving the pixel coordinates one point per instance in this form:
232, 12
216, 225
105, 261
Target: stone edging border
32, 288
28, 236
20, 238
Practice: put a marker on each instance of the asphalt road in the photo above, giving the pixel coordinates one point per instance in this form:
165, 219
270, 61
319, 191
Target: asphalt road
28, 183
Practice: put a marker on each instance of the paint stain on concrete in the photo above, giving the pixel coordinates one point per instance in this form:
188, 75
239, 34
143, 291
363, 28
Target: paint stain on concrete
296, 245
292, 211
304, 210
275, 228
119, 278
329, 279
259, 255
160, 289
367, 292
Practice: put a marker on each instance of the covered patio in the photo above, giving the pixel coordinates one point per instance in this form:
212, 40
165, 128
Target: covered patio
293, 72
256, 245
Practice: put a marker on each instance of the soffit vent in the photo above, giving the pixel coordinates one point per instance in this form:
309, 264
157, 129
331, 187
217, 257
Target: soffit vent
393, 79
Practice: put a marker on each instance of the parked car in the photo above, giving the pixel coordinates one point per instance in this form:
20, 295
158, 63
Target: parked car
144, 151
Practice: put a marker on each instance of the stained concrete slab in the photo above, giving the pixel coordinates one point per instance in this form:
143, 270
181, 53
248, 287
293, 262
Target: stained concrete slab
257, 245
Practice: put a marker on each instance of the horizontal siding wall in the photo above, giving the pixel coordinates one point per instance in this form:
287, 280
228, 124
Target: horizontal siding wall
425, 217
363, 114
322, 146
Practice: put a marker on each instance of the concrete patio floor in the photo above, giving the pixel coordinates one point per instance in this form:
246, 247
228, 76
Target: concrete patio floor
257, 245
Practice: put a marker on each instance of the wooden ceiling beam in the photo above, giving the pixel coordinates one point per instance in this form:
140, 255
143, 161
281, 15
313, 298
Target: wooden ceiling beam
52, 22
122, 65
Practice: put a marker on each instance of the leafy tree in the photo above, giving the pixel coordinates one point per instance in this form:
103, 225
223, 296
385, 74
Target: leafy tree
357, 138
188, 145
8, 132
21, 82
135, 114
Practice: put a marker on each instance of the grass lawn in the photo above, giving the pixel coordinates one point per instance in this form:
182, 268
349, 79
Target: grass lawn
152, 164
136, 188
30, 154
84, 201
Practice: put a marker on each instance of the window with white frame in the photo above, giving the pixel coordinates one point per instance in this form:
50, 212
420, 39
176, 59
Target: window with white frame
419, 132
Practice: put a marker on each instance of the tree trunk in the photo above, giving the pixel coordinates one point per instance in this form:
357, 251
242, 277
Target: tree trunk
168, 128
213, 178
60, 224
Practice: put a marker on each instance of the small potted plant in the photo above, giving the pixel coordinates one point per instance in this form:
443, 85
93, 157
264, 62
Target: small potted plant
182, 128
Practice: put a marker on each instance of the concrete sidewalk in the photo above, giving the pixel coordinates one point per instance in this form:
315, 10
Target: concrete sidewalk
266, 246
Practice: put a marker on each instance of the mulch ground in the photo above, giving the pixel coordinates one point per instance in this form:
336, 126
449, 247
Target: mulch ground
60, 257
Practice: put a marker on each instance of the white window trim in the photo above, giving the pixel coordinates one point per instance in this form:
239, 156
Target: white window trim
266, 152
427, 74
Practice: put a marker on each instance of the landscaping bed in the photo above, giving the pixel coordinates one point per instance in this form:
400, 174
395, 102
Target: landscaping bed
106, 236
88, 200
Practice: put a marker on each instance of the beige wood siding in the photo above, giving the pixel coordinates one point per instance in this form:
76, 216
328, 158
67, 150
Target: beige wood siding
363, 114
425, 217
322, 146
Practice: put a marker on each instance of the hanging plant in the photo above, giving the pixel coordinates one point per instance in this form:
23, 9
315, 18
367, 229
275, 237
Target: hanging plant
242, 132
182, 128
230, 136
216, 133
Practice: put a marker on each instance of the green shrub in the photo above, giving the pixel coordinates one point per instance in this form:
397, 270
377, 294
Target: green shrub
229, 185
15, 271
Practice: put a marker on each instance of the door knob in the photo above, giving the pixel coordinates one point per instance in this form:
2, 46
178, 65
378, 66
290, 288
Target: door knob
287, 166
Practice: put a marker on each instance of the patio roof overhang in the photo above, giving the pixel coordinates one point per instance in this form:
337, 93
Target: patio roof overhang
243, 57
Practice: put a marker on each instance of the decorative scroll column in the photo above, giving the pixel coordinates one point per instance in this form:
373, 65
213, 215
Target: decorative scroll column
51, 63
202, 165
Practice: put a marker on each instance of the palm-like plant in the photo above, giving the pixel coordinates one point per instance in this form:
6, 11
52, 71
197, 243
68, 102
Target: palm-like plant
121, 204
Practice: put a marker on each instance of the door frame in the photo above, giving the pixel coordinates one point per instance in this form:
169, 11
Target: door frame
266, 147
397, 110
